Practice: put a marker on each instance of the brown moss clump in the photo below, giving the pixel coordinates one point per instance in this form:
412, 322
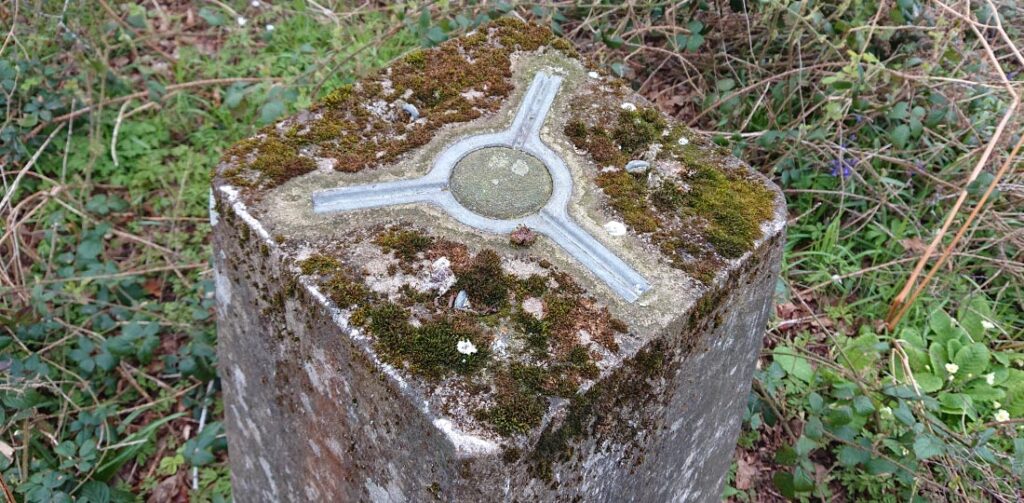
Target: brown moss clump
520, 404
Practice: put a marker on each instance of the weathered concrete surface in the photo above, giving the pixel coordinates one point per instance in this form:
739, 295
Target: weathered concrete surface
320, 408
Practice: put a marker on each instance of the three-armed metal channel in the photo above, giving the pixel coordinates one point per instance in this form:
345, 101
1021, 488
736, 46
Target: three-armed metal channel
552, 220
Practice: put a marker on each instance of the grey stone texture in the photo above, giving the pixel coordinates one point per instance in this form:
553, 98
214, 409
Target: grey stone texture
317, 409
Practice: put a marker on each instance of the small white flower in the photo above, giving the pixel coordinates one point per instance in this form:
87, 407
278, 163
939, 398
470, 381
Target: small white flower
952, 368
593, 75
615, 229
987, 325
997, 405
255, 3
270, 27
1002, 415
837, 279
466, 347
684, 141
629, 107
885, 411
241, 21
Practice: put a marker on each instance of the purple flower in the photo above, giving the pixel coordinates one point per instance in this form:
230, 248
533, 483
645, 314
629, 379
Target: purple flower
842, 167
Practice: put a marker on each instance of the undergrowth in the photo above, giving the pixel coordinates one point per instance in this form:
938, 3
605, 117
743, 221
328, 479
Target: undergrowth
870, 115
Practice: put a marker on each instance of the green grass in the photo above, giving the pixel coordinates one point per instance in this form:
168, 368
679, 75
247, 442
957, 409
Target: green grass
106, 327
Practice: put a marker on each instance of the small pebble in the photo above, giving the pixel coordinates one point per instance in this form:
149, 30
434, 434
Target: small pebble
615, 229
683, 141
637, 166
534, 306
593, 75
462, 300
466, 347
629, 107
411, 109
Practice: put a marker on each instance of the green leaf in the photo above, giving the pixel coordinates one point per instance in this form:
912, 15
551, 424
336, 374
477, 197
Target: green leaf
939, 359
942, 326
794, 364
814, 429
928, 446
849, 455
860, 353
612, 40
900, 136
863, 406
840, 415
980, 391
955, 403
1018, 456
435, 35
211, 16
929, 383
974, 315
804, 446
270, 111
618, 68
94, 492
973, 360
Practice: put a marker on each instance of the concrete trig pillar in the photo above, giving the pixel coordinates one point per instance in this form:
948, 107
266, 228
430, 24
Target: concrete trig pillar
488, 273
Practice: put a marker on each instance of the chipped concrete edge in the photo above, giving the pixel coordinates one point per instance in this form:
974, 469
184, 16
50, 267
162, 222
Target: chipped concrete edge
464, 444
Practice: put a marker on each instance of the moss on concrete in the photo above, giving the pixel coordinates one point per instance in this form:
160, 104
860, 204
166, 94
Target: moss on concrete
698, 216
406, 244
430, 349
368, 124
319, 264
484, 281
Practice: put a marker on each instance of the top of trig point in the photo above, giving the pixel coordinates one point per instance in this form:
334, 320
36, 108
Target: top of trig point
498, 190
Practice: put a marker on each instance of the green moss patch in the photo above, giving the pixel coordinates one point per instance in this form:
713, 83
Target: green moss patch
699, 216
484, 281
406, 244
732, 207
430, 349
319, 264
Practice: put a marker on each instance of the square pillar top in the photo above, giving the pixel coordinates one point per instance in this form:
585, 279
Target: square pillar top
497, 223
